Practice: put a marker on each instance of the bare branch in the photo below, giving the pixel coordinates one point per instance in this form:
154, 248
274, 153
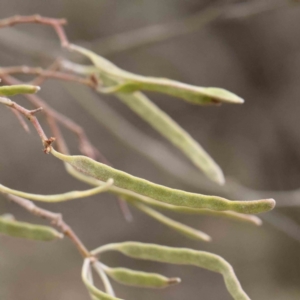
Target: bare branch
47, 74
30, 115
167, 31
57, 25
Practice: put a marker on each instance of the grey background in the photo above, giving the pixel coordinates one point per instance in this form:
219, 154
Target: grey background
256, 144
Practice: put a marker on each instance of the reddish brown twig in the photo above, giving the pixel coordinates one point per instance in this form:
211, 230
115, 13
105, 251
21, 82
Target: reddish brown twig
55, 219
30, 115
46, 74
85, 145
56, 24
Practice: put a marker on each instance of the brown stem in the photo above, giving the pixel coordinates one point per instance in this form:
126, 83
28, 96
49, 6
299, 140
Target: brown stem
57, 25
44, 74
55, 219
30, 115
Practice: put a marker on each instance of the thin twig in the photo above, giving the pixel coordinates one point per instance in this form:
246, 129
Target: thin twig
57, 25
154, 34
45, 74
55, 219
30, 115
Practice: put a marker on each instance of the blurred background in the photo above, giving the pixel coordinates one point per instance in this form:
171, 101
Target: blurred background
253, 50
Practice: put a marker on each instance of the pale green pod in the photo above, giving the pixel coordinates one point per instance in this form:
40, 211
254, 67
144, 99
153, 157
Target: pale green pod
140, 279
126, 82
131, 196
59, 197
94, 109
181, 256
12, 90
161, 193
192, 94
175, 225
28, 231
188, 210
95, 292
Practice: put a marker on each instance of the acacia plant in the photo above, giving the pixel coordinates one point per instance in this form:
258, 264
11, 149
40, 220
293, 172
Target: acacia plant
106, 78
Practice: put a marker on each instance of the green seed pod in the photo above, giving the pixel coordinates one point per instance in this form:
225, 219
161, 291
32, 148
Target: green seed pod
181, 256
254, 220
161, 193
126, 82
140, 279
28, 231
131, 196
13, 90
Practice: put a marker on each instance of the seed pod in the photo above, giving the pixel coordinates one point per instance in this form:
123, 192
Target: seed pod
127, 82
131, 196
161, 193
12, 90
28, 231
188, 210
140, 279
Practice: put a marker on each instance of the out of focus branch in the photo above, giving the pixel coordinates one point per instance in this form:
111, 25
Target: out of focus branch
56, 24
30, 115
163, 32
42, 73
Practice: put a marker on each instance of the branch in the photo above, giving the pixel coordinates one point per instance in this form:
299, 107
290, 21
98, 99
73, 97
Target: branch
30, 115
56, 24
45, 74
163, 32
